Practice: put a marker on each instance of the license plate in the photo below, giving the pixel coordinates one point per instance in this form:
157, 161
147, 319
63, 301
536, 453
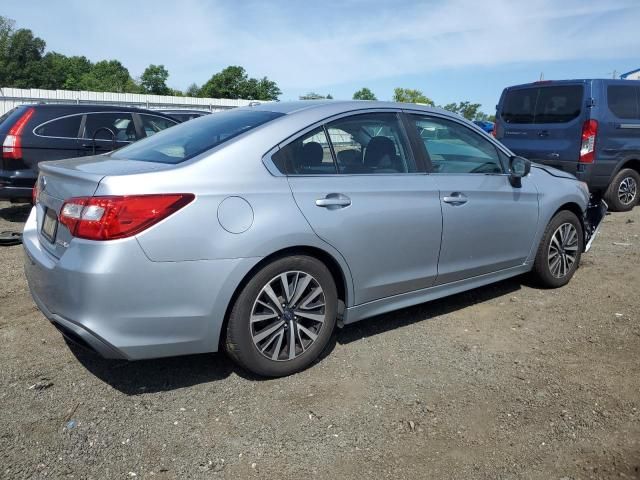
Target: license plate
50, 225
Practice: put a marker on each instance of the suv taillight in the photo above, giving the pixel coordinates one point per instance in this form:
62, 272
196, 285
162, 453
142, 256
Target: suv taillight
108, 218
588, 145
12, 145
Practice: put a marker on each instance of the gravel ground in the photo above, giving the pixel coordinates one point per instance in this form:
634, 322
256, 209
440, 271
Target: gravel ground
503, 382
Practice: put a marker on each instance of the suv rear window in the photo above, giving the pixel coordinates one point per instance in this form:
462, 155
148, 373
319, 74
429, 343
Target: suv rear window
186, 140
557, 104
624, 101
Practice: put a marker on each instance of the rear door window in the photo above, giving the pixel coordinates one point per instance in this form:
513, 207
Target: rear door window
552, 104
104, 126
308, 155
65, 127
623, 101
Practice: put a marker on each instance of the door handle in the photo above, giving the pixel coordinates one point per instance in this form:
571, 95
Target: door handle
333, 201
543, 133
456, 198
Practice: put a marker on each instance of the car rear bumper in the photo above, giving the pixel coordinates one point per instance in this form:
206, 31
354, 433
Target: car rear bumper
17, 184
112, 298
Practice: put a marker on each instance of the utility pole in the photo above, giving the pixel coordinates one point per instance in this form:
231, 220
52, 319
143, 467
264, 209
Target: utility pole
614, 74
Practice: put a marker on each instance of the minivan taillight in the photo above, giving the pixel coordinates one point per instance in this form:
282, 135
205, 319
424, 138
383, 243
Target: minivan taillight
12, 145
111, 217
588, 145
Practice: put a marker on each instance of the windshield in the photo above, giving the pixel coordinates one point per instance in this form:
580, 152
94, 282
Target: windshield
186, 140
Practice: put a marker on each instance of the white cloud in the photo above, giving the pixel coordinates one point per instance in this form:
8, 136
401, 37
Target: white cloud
303, 46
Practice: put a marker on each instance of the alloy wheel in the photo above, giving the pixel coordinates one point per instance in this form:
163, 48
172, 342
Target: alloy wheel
563, 250
287, 315
627, 190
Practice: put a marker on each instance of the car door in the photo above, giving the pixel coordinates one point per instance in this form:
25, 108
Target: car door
618, 137
544, 122
356, 182
106, 131
487, 224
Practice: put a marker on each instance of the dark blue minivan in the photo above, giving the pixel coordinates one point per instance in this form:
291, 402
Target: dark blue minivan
590, 128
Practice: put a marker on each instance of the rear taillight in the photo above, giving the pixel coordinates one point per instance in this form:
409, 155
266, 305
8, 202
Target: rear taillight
108, 218
494, 130
12, 145
588, 146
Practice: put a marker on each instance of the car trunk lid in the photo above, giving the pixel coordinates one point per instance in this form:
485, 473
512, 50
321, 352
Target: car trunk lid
78, 177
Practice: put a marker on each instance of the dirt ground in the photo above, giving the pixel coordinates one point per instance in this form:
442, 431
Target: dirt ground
503, 382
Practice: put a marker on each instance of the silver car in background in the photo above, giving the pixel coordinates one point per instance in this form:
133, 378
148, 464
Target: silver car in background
260, 229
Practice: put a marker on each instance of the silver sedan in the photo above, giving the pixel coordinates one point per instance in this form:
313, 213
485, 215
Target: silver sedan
261, 229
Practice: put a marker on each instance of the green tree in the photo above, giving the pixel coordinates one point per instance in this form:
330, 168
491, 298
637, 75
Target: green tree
21, 64
233, 82
109, 76
75, 68
408, 95
154, 80
364, 94
468, 110
192, 90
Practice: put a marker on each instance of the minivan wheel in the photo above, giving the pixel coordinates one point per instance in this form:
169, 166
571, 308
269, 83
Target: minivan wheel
560, 249
623, 192
284, 317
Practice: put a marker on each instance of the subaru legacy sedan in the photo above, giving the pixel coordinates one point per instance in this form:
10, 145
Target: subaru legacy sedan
261, 229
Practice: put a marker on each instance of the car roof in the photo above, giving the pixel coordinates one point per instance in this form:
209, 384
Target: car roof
337, 106
89, 107
544, 83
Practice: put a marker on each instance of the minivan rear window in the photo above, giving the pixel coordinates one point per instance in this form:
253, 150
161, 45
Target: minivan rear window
186, 140
553, 104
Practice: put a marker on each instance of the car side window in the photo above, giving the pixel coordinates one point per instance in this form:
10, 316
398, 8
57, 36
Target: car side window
624, 101
65, 127
120, 123
307, 155
372, 143
152, 124
454, 148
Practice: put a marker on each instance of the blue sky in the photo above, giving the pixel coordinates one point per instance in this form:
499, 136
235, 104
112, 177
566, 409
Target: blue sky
452, 50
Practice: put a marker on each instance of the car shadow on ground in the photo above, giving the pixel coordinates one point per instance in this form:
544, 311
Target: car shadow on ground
165, 374
16, 213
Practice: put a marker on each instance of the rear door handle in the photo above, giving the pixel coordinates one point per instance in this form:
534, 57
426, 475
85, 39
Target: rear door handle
456, 198
333, 201
543, 133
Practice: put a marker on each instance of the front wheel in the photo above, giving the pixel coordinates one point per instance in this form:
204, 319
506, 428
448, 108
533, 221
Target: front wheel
284, 317
560, 249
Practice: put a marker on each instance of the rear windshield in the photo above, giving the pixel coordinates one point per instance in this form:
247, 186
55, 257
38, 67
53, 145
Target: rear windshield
557, 104
186, 140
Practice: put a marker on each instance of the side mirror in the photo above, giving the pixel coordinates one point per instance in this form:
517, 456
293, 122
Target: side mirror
518, 167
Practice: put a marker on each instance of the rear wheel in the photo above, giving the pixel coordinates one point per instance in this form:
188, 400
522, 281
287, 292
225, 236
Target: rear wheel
560, 249
623, 192
284, 317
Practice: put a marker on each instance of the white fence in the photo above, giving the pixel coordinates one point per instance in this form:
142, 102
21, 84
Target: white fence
12, 97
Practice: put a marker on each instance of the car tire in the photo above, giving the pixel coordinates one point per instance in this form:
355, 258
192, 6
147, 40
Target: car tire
260, 333
623, 191
562, 241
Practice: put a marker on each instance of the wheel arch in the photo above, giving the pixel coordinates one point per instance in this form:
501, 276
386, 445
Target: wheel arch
632, 163
340, 277
575, 209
